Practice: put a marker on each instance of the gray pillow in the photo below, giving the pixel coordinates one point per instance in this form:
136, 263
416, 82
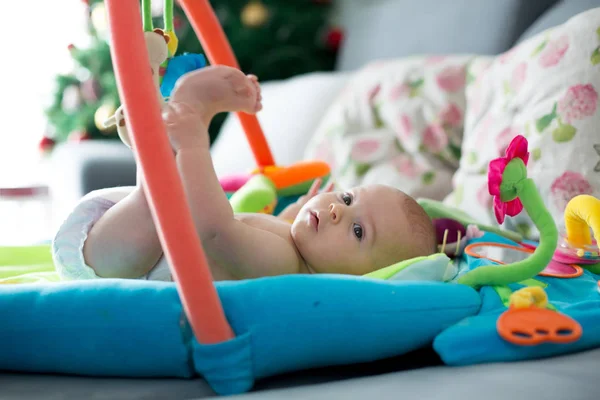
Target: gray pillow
377, 29
559, 14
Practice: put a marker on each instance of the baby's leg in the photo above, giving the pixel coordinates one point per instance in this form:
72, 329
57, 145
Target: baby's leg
216, 89
195, 100
124, 242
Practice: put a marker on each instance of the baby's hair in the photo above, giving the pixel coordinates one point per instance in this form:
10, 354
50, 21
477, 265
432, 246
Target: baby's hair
424, 241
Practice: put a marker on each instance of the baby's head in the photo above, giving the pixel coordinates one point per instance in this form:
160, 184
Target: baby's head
361, 230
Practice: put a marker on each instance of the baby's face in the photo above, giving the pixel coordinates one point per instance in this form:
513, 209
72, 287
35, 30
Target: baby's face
352, 232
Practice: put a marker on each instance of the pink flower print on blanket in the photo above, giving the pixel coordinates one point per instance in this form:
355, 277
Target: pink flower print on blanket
433, 60
410, 89
406, 166
483, 131
324, 152
452, 78
367, 150
484, 198
567, 186
451, 116
372, 94
508, 55
435, 138
579, 102
404, 127
554, 51
518, 77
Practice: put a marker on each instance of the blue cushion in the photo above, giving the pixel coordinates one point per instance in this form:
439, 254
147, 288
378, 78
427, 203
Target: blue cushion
104, 327
135, 328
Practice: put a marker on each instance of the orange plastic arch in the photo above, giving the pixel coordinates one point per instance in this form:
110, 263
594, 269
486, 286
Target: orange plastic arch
218, 50
164, 189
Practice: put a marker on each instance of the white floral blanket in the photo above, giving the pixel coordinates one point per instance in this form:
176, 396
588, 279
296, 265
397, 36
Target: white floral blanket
430, 125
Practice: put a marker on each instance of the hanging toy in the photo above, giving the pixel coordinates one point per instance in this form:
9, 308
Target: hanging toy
156, 45
166, 67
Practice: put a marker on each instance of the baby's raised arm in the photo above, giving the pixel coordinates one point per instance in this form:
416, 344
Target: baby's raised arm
244, 250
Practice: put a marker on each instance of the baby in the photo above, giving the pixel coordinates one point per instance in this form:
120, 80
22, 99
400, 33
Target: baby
351, 232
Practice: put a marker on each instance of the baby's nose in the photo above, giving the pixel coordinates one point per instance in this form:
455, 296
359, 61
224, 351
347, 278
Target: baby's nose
335, 212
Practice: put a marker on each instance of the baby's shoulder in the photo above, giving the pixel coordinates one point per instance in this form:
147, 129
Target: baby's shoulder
281, 228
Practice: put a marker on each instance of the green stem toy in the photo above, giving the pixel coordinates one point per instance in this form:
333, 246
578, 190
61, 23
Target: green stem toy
509, 183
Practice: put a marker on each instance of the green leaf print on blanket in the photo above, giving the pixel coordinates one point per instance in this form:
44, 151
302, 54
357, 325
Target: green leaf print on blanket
377, 120
408, 89
542, 123
428, 177
458, 195
472, 158
361, 169
595, 57
563, 133
415, 87
375, 105
579, 102
539, 48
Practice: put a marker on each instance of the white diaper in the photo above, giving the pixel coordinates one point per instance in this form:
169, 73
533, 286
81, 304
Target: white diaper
67, 246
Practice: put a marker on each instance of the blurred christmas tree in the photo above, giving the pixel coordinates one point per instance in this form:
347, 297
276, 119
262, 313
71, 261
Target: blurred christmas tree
274, 39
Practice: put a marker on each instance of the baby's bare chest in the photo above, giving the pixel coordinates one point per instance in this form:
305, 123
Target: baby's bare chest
264, 222
268, 223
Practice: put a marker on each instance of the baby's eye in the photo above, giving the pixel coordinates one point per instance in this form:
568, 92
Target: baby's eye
358, 231
347, 199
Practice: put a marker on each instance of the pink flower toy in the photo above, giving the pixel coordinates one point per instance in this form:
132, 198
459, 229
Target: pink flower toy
516, 149
513, 191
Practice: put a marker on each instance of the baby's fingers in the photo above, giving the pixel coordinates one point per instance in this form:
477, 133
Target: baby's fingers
329, 187
314, 189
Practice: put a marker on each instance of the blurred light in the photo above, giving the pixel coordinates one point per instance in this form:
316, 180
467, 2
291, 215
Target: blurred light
40, 31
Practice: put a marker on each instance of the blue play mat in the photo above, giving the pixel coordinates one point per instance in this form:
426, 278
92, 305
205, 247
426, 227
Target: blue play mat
133, 328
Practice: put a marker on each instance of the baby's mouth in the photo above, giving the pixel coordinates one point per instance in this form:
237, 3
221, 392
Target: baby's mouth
314, 220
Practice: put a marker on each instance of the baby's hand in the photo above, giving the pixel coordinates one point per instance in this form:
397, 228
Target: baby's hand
291, 212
